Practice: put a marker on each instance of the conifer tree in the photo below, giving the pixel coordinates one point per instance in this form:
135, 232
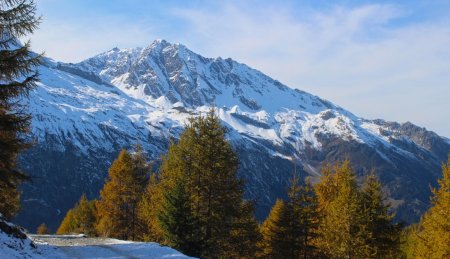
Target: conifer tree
68, 224
409, 240
309, 220
80, 219
176, 167
294, 235
17, 77
292, 225
178, 221
85, 216
273, 231
120, 196
141, 166
42, 230
245, 236
141, 172
383, 239
218, 190
9, 198
432, 238
207, 165
354, 221
342, 229
148, 210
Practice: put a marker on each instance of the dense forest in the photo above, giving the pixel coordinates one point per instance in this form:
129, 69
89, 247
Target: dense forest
195, 204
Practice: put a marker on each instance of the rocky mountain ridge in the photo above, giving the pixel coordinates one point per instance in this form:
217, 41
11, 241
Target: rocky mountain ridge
84, 113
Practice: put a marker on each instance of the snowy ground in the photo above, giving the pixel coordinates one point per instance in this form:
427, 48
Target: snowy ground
78, 246
72, 246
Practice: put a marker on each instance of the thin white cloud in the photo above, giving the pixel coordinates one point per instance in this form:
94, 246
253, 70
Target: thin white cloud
74, 41
355, 57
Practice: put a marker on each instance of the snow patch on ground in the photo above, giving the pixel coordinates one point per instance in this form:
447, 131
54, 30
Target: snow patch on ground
14, 243
40, 247
76, 246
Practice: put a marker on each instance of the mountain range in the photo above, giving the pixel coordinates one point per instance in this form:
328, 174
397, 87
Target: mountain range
83, 114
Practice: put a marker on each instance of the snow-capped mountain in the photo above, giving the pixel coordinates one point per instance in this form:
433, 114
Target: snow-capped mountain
84, 113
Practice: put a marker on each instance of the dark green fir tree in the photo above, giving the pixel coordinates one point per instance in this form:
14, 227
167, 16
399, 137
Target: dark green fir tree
179, 223
17, 77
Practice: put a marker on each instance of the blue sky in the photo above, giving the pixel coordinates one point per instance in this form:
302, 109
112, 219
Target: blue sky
378, 59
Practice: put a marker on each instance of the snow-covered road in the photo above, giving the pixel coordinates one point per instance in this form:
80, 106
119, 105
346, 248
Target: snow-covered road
79, 246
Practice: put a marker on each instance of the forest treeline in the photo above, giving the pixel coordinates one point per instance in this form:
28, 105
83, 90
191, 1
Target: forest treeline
195, 204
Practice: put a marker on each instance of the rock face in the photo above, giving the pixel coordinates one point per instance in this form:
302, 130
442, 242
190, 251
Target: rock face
84, 113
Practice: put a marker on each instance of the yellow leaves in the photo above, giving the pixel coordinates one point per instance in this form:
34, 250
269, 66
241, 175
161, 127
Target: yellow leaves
273, 231
354, 221
207, 166
148, 209
66, 226
42, 230
80, 219
290, 228
432, 239
121, 194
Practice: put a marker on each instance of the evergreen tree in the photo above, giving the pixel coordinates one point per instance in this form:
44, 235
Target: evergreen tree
273, 231
176, 167
42, 230
342, 230
17, 78
68, 224
432, 238
354, 221
9, 199
409, 240
178, 221
207, 165
295, 231
245, 236
85, 216
141, 172
81, 219
291, 226
148, 210
218, 193
119, 198
309, 220
383, 239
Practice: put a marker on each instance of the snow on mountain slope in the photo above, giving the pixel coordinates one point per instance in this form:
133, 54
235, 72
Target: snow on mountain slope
84, 113
169, 83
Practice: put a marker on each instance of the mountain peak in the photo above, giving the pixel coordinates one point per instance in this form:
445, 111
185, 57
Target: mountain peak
159, 43
158, 46
174, 72
89, 110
